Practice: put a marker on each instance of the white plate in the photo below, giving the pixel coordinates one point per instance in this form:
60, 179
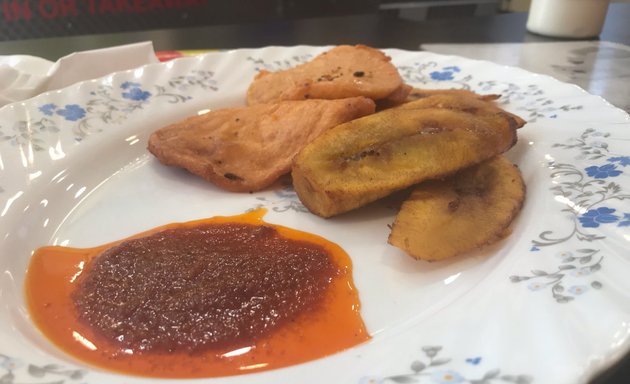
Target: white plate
549, 304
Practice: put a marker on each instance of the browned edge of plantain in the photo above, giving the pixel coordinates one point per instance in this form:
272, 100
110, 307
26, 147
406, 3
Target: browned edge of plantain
363, 160
471, 209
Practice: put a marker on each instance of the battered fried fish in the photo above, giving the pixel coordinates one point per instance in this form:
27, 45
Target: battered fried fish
363, 160
473, 208
247, 149
344, 71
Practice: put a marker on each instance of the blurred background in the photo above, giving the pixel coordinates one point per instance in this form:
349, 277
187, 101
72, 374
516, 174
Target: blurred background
24, 19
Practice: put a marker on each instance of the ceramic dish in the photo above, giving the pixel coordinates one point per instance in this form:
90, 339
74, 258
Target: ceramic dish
549, 304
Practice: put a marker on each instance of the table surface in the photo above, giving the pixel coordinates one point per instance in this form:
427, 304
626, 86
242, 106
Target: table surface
380, 30
573, 61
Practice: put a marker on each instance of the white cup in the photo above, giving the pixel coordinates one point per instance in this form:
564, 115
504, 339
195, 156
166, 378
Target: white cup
567, 18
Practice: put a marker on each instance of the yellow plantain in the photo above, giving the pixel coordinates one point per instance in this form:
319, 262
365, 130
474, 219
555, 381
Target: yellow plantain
473, 208
363, 160
458, 99
418, 93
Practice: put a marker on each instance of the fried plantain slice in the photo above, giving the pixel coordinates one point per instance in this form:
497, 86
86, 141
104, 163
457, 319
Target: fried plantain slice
413, 94
419, 93
461, 100
473, 208
363, 160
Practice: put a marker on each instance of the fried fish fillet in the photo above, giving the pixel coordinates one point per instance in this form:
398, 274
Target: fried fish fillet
247, 149
363, 160
473, 208
344, 71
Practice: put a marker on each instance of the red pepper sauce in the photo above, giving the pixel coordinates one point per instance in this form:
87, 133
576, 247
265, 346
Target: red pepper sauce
110, 310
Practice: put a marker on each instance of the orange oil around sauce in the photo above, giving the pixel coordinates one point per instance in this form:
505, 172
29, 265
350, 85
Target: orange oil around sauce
54, 271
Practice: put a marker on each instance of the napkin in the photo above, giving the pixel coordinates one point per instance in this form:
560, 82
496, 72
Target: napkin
23, 76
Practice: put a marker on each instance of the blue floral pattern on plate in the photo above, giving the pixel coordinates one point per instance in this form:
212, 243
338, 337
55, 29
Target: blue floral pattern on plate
446, 74
575, 266
108, 105
285, 199
533, 102
603, 171
594, 217
588, 195
277, 65
14, 371
588, 192
433, 369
